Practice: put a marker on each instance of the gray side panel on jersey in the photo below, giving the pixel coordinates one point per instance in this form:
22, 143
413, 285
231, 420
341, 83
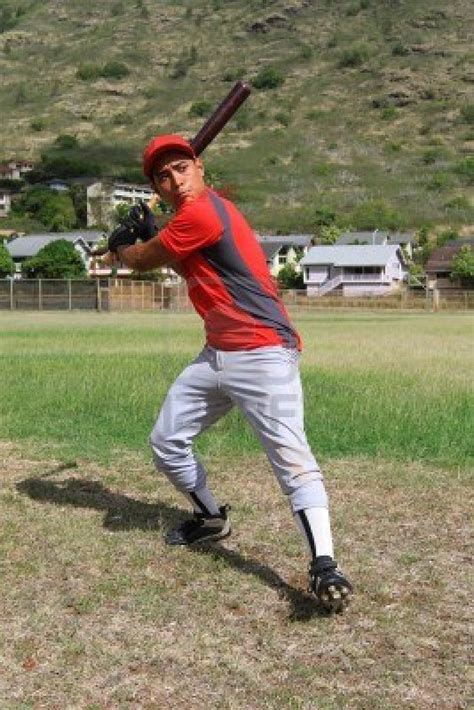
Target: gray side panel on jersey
241, 284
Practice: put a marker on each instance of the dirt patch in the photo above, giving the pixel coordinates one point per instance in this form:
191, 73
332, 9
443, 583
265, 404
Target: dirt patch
96, 611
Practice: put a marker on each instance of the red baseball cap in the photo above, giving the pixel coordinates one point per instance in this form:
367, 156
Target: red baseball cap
160, 144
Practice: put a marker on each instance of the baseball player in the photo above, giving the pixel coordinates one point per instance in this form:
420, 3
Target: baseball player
250, 358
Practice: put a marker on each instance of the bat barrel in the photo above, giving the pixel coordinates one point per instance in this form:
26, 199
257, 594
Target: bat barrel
221, 116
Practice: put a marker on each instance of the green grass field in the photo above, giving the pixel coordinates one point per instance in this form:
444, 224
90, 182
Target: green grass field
98, 613
377, 385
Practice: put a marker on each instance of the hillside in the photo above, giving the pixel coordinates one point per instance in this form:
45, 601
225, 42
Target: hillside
372, 100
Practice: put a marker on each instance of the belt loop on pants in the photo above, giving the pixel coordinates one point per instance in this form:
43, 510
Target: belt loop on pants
219, 360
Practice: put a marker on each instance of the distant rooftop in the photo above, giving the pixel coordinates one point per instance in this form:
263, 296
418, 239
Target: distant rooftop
376, 237
342, 255
30, 245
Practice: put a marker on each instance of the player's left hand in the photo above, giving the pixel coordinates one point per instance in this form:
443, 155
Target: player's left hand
142, 219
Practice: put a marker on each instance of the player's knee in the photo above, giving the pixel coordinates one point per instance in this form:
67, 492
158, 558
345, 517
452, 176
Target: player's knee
165, 451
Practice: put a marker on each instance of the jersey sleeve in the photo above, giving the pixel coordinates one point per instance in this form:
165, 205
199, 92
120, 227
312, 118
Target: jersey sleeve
193, 228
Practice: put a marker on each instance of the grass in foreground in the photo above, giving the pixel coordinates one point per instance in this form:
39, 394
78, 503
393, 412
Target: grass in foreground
98, 613
392, 385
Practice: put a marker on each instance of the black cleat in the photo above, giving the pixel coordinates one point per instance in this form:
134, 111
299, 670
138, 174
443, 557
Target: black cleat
201, 528
328, 584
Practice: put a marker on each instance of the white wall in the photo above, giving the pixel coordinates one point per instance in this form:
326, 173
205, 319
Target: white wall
315, 274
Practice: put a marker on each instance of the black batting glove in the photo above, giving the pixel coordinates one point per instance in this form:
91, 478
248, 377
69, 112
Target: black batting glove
142, 219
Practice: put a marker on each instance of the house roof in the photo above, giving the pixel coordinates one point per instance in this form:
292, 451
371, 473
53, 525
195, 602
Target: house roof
272, 243
357, 255
442, 258
375, 237
24, 247
270, 249
295, 240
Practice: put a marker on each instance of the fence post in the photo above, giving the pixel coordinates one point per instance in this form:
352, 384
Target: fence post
98, 295
40, 296
143, 295
11, 294
69, 288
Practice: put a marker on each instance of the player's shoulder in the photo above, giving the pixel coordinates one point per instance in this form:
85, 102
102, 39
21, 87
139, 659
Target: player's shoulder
200, 212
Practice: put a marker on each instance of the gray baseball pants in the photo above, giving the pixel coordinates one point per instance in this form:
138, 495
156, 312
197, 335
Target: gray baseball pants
265, 384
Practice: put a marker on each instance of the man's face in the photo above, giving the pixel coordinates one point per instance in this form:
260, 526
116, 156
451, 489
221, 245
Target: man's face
178, 178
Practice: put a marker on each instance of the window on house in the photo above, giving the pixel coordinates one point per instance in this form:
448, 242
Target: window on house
283, 255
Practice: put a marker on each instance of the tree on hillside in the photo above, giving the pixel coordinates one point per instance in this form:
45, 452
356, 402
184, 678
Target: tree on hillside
377, 214
56, 260
53, 209
6, 262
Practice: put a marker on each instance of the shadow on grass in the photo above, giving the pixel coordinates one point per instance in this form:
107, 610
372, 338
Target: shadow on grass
124, 513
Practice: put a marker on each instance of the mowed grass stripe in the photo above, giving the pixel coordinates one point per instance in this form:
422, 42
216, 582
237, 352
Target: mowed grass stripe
393, 386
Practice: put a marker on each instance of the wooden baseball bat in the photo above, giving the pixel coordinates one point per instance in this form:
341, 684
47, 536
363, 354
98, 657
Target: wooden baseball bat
213, 126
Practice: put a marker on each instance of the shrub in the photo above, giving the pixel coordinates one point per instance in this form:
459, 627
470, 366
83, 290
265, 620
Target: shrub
53, 209
329, 234
432, 155
315, 114
114, 70
388, 113
6, 262
242, 120
322, 169
88, 71
117, 9
200, 108
37, 124
448, 235
399, 50
283, 118
8, 19
465, 169
268, 78
355, 56
439, 181
324, 216
232, 74
182, 65
57, 260
460, 202
467, 113
463, 265
377, 214
65, 142
289, 277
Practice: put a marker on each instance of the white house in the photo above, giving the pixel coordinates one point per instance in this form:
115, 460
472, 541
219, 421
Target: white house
281, 250
15, 169
103, 198
23, 248
355, 270
5, 202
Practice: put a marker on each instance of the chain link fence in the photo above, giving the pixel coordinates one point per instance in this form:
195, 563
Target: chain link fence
127, 295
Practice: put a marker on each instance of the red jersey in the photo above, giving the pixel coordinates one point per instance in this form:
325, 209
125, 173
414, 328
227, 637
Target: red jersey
227, 276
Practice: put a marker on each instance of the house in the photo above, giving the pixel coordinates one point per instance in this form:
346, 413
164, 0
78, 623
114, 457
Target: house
58, 185
439, 266
15, 169
5, 202
356, 270
103, 198
23, 248
378, 237
281, 250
